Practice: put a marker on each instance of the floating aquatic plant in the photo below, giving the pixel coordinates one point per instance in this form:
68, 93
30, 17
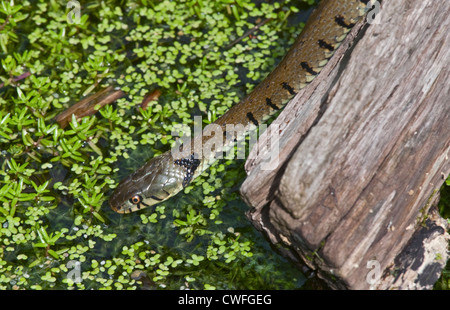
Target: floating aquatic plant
57, 230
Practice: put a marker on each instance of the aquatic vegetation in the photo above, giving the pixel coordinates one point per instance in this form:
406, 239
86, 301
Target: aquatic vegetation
57, 230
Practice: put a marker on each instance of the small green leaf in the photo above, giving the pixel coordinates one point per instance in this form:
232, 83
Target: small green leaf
53, 253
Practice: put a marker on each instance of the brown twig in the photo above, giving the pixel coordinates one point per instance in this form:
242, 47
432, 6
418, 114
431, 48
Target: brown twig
87, 105
18, 78
249, 32
5, 23
153, 96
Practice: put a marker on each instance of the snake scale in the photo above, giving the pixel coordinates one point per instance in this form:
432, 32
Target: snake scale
164, 176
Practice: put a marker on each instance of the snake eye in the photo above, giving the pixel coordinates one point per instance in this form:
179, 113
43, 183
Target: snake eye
136, 199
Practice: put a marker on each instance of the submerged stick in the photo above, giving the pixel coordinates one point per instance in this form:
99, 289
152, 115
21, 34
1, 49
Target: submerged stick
89, 105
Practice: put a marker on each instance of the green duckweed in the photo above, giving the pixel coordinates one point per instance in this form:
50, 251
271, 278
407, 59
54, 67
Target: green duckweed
57, 230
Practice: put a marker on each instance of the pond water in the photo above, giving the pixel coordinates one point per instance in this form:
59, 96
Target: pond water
57, 230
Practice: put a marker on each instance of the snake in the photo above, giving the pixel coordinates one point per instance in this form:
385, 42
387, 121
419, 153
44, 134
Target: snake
165, 175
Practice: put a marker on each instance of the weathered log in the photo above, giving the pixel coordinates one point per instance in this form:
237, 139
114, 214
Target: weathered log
363, 151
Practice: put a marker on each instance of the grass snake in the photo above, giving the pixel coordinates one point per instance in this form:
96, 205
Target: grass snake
164, 176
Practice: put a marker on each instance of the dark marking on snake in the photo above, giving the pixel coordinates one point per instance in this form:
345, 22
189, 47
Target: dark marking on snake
308, 69
289, 88
340, 20
155, 198
324, 44
270, 104
190, 164
252, 118
145, 204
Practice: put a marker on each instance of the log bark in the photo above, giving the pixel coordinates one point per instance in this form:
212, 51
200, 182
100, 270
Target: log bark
362, 153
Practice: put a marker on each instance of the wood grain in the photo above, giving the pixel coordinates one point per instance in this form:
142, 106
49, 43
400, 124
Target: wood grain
363, 151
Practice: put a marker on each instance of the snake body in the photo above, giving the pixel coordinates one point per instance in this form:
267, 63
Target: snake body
164, 176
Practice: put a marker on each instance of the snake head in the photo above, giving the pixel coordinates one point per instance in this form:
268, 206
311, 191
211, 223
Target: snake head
156, 181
